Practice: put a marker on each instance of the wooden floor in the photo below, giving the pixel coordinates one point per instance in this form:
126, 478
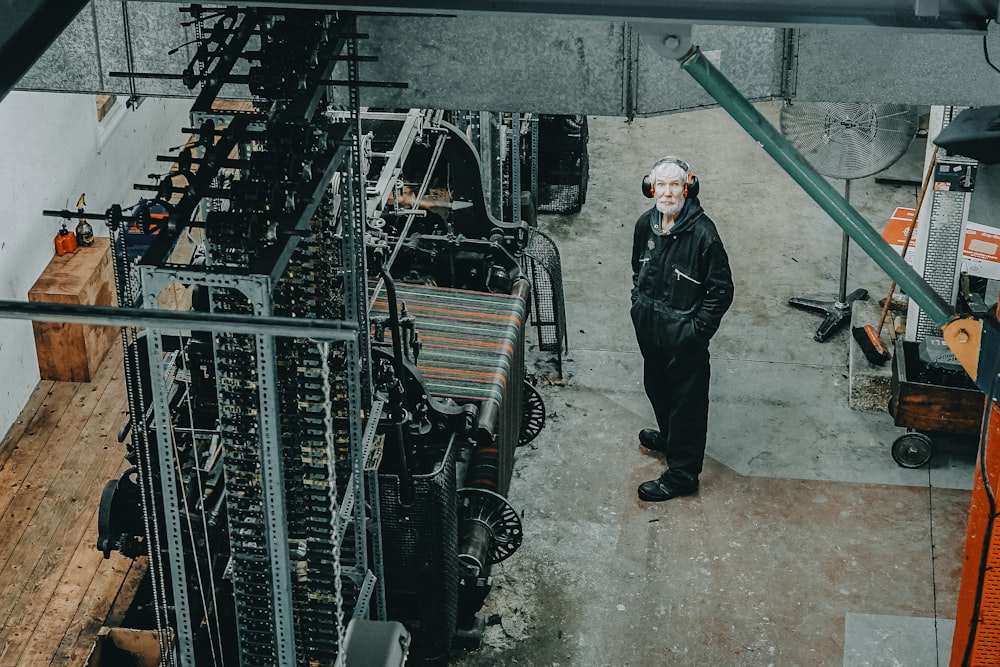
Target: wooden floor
56, 588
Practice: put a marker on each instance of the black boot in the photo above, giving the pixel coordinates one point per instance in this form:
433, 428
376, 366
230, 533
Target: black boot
669, 485
651, 439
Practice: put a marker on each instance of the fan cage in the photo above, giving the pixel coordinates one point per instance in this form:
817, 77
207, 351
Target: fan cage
849, 140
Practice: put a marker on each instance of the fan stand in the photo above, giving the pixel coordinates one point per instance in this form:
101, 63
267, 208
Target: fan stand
837, 311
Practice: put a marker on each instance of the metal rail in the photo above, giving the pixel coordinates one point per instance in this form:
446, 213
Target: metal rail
333, 330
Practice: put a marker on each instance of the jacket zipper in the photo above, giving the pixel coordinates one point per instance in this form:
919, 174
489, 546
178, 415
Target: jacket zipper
681, 274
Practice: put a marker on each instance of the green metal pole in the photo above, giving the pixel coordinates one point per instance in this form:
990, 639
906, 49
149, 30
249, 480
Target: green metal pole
831, 201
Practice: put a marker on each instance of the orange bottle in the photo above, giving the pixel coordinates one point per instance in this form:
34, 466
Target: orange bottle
65, 241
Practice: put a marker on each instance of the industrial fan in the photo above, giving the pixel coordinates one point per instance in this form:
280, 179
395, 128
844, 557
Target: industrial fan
849, 141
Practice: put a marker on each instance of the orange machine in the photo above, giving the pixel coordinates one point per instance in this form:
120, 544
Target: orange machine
977, 624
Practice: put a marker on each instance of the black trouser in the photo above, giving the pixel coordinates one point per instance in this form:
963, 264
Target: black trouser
676, 383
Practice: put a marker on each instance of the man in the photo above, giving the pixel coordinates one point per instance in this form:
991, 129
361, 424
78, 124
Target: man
682, 286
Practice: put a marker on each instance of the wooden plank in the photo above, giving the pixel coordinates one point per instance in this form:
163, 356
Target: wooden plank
20, 514
104, 604
80, 601
34, 641
125, 593
54, 590
21, 450
65, 516
945, 412
87, 588
22, 453
60, 584
116, 581
104, 104
18, 524
72, 275
29, 413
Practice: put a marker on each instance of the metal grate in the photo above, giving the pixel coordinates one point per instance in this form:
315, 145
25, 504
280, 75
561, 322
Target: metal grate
944, 233
421, 570
563, 163
560, 198
548, 305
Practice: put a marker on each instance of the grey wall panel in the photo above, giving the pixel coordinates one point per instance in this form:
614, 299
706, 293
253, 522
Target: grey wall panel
27, 29
155, 29
509, 63
749, 57
497, 63
70, 64
94, 44
869, 66
561, 66
111, 40
555, 65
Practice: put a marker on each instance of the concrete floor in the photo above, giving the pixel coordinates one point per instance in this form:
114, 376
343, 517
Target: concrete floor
806, 545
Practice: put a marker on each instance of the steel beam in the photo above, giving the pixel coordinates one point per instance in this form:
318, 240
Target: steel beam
553, 65
26, 31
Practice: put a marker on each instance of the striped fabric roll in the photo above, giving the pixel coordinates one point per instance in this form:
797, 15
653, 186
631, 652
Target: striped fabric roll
470, 339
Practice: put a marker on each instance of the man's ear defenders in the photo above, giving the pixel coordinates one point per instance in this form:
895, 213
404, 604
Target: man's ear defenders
690, 186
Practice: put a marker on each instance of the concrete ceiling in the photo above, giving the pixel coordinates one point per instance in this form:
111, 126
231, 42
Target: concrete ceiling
948, 15
566, 56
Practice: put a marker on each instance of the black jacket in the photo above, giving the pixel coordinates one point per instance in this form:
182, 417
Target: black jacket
681, 281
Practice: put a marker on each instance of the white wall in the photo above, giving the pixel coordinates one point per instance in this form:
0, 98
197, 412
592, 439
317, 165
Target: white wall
52, 149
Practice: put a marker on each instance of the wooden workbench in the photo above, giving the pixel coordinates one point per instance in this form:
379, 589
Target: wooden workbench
73, 352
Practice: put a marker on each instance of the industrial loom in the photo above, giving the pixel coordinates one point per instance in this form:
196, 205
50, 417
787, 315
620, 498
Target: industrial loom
323, 430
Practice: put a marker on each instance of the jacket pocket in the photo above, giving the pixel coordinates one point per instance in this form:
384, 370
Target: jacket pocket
644, 323
696, 335
685, 289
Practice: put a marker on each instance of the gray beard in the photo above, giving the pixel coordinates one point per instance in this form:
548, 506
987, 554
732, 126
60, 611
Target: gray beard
667, 209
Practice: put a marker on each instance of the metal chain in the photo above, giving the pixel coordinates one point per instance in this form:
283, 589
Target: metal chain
217, 659
331, 464
137, 413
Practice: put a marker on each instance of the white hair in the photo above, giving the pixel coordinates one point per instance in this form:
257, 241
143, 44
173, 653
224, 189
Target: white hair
667, 169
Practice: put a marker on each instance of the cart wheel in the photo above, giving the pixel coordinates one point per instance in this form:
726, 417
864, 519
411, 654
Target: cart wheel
911, 450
